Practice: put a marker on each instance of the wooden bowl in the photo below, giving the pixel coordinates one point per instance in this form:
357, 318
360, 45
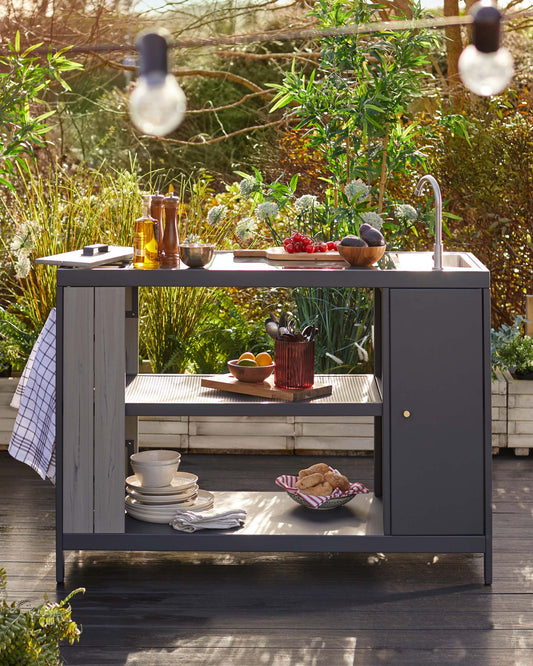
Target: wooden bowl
250, 373
361, 256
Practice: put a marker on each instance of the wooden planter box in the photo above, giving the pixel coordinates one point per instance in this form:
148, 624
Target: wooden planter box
519, 414
512, 427
258, 434
499, 412
7, 413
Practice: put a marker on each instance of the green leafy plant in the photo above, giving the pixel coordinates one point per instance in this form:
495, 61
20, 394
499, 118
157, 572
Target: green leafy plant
512, 349
344, 320
24, 83
362, 113
517, 355
31, 637
231, 328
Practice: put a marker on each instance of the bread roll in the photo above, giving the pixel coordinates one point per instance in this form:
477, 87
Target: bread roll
320, 489
320, 468
337, 480
308, 481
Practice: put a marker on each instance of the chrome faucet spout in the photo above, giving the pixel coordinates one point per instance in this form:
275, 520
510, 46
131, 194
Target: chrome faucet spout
437, 265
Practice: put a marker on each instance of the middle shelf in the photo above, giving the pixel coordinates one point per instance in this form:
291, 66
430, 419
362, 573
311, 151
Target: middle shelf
182, 395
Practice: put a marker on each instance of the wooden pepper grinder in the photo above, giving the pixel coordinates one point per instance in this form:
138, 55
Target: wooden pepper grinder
170, 257
156, 211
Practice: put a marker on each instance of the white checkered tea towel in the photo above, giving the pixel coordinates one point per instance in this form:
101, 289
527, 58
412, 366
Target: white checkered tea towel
33, 438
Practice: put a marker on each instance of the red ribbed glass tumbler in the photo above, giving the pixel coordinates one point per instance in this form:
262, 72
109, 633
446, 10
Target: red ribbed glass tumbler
295, 364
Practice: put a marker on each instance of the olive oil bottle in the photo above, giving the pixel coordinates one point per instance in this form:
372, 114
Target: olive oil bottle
145, 238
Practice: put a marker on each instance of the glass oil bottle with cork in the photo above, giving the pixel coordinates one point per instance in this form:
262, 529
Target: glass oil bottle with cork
145, 238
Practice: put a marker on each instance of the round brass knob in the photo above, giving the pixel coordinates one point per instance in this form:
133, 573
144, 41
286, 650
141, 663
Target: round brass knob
406, 413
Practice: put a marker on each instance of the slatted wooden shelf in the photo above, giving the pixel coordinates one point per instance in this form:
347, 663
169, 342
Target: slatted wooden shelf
175, 395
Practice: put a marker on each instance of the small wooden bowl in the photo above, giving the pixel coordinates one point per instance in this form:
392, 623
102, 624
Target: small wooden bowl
250, 373
361, 256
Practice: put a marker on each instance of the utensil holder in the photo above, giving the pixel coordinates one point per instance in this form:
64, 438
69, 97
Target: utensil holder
294, 364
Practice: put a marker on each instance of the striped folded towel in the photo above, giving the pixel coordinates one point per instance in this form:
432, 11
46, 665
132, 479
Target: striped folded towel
288, 483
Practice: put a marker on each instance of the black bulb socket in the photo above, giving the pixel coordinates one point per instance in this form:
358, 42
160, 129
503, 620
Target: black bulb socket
486, 26
152, 48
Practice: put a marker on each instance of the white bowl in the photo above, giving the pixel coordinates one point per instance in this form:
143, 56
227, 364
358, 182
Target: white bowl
155, 468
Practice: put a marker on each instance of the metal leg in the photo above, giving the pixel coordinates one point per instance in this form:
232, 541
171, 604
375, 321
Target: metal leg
378, 457
60, 567
487, 562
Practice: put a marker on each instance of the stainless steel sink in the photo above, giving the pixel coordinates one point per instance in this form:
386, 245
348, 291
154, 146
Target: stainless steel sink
423, 261
457, 260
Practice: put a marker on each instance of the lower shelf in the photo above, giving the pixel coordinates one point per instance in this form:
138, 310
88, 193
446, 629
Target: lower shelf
275, 523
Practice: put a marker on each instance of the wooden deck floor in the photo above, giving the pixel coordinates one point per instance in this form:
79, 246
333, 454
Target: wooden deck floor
282, 609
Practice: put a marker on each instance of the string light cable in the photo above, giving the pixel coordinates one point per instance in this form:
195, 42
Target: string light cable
157, 103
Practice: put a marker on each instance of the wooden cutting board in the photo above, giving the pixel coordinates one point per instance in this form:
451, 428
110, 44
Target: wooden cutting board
279, 254
264, 389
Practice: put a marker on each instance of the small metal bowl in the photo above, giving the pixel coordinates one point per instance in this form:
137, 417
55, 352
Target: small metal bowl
196, 256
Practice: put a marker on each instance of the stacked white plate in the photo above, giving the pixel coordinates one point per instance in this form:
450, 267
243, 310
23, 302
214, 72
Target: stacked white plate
159, 505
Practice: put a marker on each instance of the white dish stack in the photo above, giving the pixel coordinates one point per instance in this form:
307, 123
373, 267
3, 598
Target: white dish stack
157, 491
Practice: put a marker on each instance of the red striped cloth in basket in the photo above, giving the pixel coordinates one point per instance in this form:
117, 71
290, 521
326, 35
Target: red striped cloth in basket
288, 483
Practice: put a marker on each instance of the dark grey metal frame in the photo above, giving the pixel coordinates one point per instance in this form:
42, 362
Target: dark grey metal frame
254, 273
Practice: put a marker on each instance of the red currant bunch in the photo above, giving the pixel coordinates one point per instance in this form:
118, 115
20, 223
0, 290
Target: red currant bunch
301, 243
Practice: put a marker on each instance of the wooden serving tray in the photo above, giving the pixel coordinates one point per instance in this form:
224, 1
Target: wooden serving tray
264, 389
279, 254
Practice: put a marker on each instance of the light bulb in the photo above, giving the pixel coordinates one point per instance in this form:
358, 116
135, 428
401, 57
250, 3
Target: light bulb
157, 103
484, 67
486, 73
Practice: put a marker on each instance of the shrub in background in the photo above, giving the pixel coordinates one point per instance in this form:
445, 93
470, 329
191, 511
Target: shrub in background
487, 178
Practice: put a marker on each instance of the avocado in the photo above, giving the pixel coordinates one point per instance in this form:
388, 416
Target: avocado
373, 237
353, 241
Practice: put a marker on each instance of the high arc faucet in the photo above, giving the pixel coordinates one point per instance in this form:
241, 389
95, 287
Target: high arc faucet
437, 255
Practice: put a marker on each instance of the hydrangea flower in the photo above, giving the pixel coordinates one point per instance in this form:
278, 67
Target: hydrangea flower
248, 186
245, 229
267, 210
374, 219
405, 213
21, 247
22, 240
216, 214
22, 266
356, 190
305, 203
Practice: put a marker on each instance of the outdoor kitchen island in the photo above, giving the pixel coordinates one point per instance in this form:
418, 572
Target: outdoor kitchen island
429, 396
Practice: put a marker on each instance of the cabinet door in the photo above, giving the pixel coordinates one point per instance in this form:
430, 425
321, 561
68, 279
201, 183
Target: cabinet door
437, 411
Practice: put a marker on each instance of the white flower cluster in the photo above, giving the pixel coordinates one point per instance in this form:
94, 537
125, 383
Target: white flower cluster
21, 247
305, 203
267, 210
356, 191
248, 186
245, 229
405, 213
216, 214
374, 219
